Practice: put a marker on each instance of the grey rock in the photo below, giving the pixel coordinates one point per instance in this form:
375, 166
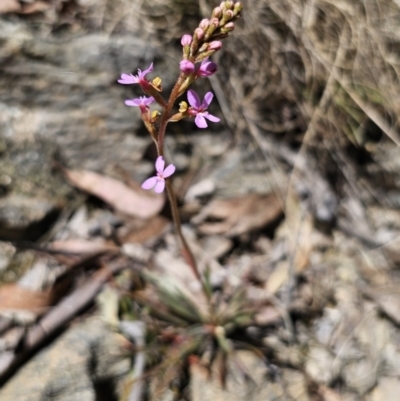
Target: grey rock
83, 364
24, 218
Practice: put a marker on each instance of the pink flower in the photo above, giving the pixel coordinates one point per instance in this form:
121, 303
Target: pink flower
199, 109
158, 181
207, 68
186, 40
140, 79
143, 102
186, 66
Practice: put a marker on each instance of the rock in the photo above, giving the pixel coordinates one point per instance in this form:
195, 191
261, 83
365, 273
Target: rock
360, 376
321, 365
387, 389
83, 364
6, 253
25, 218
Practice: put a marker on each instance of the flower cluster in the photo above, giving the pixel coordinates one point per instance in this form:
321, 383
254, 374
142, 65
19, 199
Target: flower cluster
195, 63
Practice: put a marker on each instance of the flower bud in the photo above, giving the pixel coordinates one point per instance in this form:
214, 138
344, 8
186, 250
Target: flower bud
207, 68
217, 12
186, 40
230, 26
229, 4
228, 14
204, 24
215, 22
215, 45
199, 33
222, 5
186, 66
238, 7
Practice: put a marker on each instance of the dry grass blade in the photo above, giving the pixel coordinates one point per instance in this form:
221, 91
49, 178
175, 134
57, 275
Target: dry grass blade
175, 300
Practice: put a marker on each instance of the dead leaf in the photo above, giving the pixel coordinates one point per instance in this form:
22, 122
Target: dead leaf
9, 6
117, 194
149, 230
83, 246
278, 277
36, 7
15, 297
239, 215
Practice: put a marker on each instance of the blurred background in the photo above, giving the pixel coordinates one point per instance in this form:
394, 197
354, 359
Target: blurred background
293, 201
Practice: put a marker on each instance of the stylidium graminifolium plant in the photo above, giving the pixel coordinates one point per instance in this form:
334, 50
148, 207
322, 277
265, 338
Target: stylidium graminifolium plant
195, 64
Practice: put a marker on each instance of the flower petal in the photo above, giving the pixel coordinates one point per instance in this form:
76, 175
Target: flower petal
160, 163
212, 118
169, 171
132, 102
160, 185
207, 100
127, 79
193, 99
148, 100
150, 182
150, 69
200, 121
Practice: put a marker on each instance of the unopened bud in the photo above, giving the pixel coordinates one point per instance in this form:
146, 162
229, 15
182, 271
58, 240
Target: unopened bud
215, 45
222, 5
228, 14
204, 24
199, 33
186, 66
217, 12
230, 26
207, 68
215, 22
186, 40
229, 4
238, 7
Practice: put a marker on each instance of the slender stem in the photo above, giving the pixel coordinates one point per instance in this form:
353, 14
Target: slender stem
166, 114
178, 226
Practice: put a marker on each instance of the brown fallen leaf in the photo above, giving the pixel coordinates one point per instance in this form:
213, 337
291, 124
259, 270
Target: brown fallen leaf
147, 231
9, 6
118, 195
36, 7
239, 215
82, 246
15, 297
